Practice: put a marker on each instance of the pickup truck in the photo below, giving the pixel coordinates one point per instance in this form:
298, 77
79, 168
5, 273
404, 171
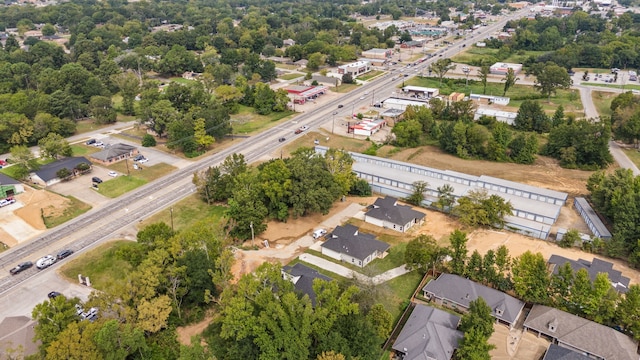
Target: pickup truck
302, 129
7, 201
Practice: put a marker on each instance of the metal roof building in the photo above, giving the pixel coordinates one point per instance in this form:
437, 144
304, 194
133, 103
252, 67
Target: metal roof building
592, 219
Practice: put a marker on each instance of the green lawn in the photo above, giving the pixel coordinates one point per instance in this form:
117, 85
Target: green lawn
10, 171
602, 101
105, 269
81, 149
75, 209
345, 88
627, 87
124, 183
370, 75
290, 76
84, 126
247, 122
474, 55
186, 212
117, 186
633, 155
181, 80
393, 293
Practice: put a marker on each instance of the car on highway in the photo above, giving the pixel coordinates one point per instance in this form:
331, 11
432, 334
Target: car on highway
7, 201
64, 253
301, 129
362, 97
96, 180
21, 267
340, 106
113, 173
282, 139
45, 261
53, 294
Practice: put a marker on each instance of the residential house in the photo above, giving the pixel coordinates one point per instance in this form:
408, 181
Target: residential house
114, 153
47, 174
348, 244
555, 352
387, 213
9, 186
619, 282
429, 333
302, 278
456, 292
582, 335
288, 42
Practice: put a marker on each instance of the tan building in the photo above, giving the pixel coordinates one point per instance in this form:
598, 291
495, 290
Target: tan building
456, 96
114, 153
377, 54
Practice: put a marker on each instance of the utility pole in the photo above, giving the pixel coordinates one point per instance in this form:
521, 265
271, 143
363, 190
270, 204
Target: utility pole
171, 212
252, 237
333, 121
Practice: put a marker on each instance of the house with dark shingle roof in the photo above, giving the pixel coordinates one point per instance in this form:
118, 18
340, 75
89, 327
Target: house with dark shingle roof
9, 186
114, 153
620, 283
555, 352
582, 335
429, 333
346, 243
302, 278
47, 176
456, 292
387, 213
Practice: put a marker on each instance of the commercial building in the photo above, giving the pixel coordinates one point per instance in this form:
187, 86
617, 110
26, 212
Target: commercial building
501, 68
355, 69
592, 219
422, 92
377, 54
502, 116
302, 94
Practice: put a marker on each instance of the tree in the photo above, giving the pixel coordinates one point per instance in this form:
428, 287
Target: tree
76, 341
628, 311
153, 313
148, 140
53, 317
440, 67
417, 197
458, 251
161, 114
509, 79
118, 341
531, 117
24, 161
339, 164
423, 253
474, 346
530, 278
381, 320
446, 198
54, 145
483, 74
347, 78
551, 77
330, 355
48, 30
129, 86
478, 317
407, 133
64, 173
101, 109
569, 239
200, 135
264, 99
480, 209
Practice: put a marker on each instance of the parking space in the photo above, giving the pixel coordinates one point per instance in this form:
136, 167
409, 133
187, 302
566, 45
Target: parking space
80, 187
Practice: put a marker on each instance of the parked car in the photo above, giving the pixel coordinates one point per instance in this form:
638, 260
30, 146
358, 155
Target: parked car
3, 162
64, 253
282, 139
113, 173
53, 295
45, 261
143, 160
98, 144
7, 201
319, 233
96, 180
91, 141
21, 267
138, 157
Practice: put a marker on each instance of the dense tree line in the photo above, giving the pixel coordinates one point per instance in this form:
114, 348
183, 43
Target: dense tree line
625, 118
302, 184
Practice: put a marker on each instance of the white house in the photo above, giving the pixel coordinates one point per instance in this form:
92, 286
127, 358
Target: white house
347, 244
387, 213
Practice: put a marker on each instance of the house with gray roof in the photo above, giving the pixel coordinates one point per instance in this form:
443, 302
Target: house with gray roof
47, 174
388, 214
456, 292
302, 278
114, 153
620, 283
346, 243
582, 335
555, 352
429, 333
9, 186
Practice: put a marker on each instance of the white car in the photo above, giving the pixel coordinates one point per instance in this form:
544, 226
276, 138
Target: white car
113, 173
98, 144
45, 261
319, 233
7, 201
143, 160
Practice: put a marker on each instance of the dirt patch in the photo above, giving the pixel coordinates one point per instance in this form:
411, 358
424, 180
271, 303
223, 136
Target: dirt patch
38, 203
7, 239
186, 332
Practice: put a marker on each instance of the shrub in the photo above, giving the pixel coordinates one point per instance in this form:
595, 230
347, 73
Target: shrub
148, 140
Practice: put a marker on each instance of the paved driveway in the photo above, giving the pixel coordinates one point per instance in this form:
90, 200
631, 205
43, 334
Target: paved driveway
80, 187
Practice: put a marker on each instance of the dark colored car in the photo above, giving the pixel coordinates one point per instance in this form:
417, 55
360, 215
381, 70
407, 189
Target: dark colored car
138, 157
64, 253
21, 267
91, 141
96, 180
340, 106
282, 139
53, 294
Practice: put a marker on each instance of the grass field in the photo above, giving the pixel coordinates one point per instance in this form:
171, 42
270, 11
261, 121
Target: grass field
186, 212
370, 75
181, 80
105, 269
290, 76
84, 150
626, 87
633, 155
120, 185
602, 101
248, 122
345, 88
75, 209
84, 126
117, 186
397, 291
475, 55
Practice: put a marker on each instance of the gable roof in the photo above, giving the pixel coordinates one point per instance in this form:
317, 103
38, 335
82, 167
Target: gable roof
302, 277
582, 334
348, 240
48, 172
388, 209
429, 333
6, 180
113, 151
619, 282
463, 291
555, 352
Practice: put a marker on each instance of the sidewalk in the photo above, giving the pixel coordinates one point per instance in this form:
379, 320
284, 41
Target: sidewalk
348, 273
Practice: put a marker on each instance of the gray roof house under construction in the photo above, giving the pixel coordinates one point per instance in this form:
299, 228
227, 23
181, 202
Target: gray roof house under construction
387, 213
347, 243
585, 336
457, 292
429, 333
619, 282
535, 209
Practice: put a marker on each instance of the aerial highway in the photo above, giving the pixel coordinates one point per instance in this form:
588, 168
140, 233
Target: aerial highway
105, 222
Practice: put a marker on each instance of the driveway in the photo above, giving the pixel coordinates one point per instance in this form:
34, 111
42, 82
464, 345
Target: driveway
81, 187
